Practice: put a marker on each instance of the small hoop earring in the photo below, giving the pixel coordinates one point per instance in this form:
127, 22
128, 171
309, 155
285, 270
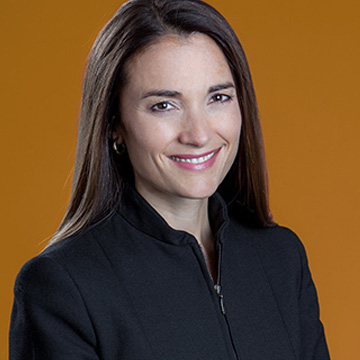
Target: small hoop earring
121, 150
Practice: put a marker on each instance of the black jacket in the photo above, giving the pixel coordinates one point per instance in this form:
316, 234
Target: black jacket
132, 288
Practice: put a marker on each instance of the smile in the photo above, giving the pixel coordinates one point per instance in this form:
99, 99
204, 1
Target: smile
195, 163
194, 160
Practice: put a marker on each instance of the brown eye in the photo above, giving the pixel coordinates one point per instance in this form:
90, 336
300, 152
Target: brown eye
162, 106
220, 98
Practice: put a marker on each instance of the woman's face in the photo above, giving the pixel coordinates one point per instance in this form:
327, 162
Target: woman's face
180, 118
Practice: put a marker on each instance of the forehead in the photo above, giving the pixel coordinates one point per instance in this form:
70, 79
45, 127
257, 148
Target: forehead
175, 61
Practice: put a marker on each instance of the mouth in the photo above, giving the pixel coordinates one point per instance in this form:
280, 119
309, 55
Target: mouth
191, 159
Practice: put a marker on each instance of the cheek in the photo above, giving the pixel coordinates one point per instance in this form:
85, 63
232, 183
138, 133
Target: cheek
232, 134
147, 138
237, 133
231, 128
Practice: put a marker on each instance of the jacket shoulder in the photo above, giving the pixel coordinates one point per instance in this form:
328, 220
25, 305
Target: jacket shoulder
76, 257
47, 296
279, 249
267, 240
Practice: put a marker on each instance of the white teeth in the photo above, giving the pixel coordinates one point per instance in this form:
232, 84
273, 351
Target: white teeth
194, 160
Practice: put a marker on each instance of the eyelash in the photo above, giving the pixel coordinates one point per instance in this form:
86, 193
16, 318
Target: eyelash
155, 108
224, 98
216, 98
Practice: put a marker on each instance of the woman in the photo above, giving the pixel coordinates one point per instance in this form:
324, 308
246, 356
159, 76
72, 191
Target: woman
168, 249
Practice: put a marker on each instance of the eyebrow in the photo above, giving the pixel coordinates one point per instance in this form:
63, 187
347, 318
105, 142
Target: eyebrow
160, 93
171, 93
224, 86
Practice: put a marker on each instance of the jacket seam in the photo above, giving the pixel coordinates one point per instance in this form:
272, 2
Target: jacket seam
58, 263
115, 272
277, 303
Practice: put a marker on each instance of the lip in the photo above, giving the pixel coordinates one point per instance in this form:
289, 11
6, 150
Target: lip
195, 162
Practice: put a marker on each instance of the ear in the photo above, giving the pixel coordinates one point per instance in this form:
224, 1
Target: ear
115, 134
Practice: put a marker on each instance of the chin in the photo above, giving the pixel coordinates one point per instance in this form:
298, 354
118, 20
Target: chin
201, 192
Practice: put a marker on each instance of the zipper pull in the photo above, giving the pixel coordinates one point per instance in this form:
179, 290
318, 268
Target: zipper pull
221, 298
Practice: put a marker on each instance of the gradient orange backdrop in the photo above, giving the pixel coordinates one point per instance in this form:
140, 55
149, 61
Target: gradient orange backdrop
305, 59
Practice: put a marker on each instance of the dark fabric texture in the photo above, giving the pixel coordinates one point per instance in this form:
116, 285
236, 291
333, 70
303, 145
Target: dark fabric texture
132, 288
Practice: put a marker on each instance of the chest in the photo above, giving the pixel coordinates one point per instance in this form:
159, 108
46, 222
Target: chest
161, 303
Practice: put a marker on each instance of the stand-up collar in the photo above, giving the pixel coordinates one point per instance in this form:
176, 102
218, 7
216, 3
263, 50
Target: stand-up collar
140, 214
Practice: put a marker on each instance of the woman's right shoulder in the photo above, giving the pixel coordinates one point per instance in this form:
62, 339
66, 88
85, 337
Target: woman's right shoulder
49, 299
72, 257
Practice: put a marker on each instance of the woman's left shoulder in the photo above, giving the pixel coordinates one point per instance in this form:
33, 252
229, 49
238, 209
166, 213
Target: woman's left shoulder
276, 244
279, 255
277, 238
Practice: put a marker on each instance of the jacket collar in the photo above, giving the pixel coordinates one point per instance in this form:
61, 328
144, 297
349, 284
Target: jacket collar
141, 215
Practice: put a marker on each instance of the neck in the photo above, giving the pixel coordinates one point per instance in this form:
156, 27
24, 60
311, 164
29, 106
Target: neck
190, 215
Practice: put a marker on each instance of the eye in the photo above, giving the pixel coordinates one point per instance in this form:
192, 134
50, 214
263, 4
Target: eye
162, 107
220, 98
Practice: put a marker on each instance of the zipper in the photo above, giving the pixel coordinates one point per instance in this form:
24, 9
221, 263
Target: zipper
217, 286
218, 290
221, 298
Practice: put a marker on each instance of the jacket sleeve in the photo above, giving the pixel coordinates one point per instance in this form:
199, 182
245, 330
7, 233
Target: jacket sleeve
313, 346
49, 318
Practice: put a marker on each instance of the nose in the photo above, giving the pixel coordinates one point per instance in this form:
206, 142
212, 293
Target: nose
195, 130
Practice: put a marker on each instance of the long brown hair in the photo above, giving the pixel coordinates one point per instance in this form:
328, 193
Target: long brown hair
99, 174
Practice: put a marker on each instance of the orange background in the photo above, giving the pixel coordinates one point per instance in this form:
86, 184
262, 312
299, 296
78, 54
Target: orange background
305, 59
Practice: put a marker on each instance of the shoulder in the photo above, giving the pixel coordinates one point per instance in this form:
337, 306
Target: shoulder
278, 247
266, 239
72, 260
54, 292
282, 258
